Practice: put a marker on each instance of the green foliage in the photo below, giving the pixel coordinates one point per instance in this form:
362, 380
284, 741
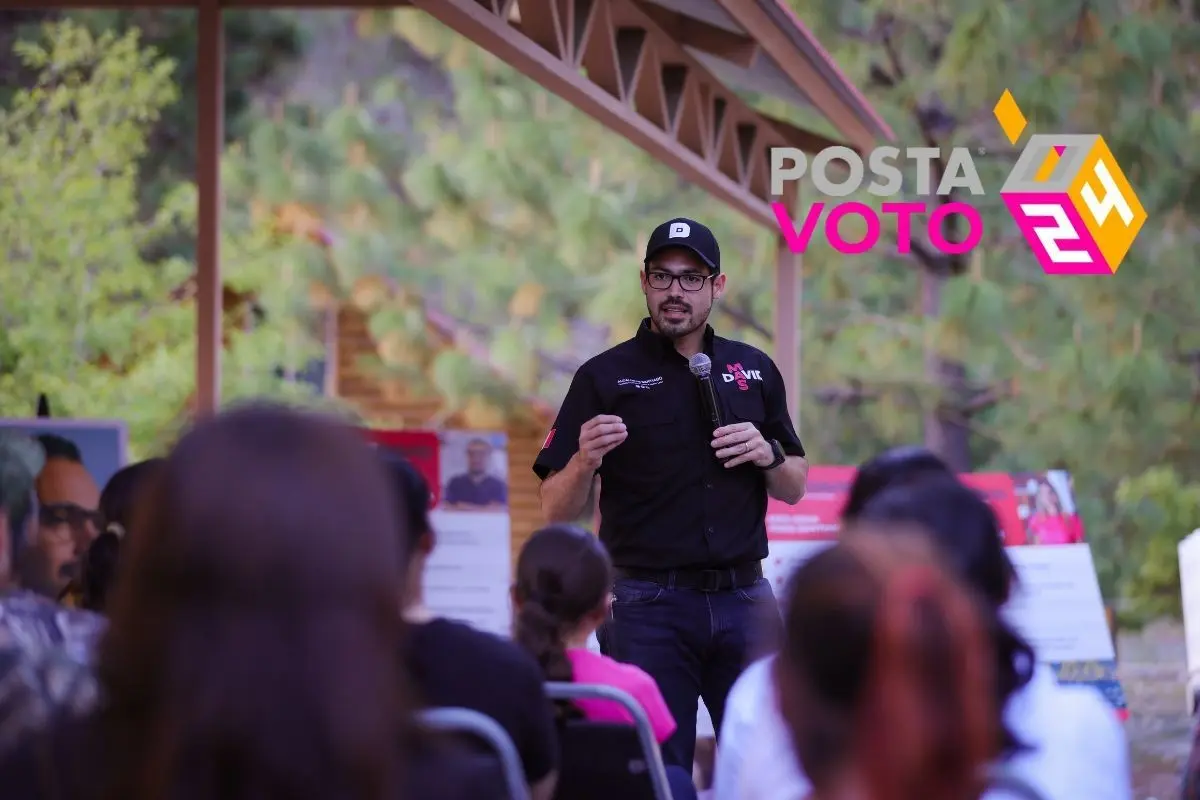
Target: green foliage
513, 214
506, 209
86, 318
1097, 375
1155, 511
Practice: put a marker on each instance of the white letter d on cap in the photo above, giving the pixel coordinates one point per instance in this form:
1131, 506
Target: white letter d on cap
679, 230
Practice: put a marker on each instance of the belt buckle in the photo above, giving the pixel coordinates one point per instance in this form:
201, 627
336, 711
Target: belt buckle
710, 579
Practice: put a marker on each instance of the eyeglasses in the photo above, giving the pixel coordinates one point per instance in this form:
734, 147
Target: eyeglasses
689, 281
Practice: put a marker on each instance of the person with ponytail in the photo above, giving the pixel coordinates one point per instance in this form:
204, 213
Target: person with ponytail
886, 678
561, 596
118, 503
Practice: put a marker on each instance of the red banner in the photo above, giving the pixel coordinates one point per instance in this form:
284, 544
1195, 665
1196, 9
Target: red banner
817, 516
422, 448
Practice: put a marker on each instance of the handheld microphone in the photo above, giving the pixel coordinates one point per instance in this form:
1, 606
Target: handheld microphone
701, 367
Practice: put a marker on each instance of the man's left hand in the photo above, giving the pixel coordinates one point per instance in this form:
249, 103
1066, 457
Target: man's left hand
741, 443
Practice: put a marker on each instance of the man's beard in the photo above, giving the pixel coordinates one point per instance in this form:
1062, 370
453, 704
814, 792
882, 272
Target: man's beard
676, 326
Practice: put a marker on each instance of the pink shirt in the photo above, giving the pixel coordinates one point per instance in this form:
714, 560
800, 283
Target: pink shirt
1063, 529
594, 668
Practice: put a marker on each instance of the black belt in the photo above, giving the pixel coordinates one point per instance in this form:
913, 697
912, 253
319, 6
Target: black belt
701, 580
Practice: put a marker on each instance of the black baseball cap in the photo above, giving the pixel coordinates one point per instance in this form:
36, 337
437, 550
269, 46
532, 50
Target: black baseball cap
688, 234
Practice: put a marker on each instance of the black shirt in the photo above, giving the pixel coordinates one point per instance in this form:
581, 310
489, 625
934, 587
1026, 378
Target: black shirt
453, 664
466, 490
666, 502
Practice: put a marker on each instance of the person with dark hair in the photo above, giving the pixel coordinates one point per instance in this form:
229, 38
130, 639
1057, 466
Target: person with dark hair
252, 649
754, 758
1065, 741
561, 595
899, 466
684, 436
445, 658
117, 504
886, 675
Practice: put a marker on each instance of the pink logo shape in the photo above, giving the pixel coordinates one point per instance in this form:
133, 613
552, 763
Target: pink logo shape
739, 375
1060, 149
1055, 233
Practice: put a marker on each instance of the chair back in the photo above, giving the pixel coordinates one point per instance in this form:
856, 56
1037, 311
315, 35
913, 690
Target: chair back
482, 728
603, 760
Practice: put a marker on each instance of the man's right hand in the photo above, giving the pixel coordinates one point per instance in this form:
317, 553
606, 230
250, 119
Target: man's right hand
598, 436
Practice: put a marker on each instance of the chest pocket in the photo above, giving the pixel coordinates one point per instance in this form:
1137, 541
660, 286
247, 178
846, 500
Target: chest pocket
654, 433
748, 406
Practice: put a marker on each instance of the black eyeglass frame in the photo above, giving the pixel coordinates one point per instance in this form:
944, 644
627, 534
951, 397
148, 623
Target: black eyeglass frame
650, 273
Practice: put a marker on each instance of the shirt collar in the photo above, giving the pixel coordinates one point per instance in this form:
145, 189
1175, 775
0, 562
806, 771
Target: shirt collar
660, 346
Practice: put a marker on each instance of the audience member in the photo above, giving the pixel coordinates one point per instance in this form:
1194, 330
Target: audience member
252, 644
754, 755
562, 593
445, 658
118, 502
900, 466
44, 648
1065, 742
886, 676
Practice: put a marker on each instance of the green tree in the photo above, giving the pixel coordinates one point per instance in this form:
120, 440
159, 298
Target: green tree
258, 45
86, 318
1021, 370
503, 209
1155, 511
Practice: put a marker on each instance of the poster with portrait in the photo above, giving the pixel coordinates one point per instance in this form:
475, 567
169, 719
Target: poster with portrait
1056, 603
1046, 505
474, 471
77, 458
468, 574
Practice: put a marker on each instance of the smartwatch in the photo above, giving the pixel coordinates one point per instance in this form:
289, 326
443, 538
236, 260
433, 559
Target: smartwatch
780, 456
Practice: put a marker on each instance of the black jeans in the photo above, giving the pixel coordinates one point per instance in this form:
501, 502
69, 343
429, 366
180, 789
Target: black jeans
694, 644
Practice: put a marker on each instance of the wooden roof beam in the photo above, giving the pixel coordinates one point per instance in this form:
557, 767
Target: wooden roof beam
806, 140
699, 35
615, 63
832, 94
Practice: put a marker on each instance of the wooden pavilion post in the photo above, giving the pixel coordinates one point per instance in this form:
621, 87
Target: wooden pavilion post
210, 136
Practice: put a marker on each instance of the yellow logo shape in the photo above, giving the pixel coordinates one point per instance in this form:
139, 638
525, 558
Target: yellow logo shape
1070, 198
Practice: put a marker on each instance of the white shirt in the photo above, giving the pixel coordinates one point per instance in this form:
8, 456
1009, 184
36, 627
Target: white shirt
1077, 746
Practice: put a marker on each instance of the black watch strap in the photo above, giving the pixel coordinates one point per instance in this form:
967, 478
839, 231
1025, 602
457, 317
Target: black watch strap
780, 456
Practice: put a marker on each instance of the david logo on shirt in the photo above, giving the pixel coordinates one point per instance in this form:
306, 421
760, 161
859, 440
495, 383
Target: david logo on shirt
740, 376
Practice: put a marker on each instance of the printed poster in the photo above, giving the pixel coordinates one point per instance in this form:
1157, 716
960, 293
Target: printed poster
101, 447
78, 457
468, 574
1056, 604
1189, 586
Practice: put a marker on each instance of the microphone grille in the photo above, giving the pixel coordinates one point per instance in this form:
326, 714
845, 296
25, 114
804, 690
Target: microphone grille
700, 365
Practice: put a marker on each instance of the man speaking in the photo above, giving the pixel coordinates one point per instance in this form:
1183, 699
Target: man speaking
689, 432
